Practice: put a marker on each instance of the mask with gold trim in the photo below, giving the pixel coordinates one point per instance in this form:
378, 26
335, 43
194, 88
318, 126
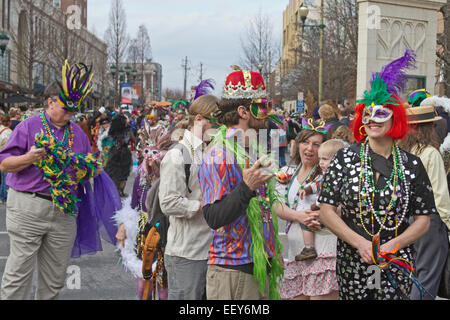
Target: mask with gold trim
261, 109
376, 113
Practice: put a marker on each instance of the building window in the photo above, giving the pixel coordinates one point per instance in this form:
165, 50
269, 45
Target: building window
6, 4
38, 73
4, 66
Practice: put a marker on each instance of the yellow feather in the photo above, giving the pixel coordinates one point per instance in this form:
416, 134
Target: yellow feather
65, 69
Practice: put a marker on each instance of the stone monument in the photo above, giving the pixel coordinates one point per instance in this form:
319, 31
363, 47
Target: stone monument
387, 28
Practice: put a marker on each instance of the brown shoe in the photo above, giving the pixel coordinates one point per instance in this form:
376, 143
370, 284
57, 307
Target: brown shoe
306, 254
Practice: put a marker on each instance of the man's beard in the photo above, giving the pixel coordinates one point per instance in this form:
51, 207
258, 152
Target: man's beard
257, 124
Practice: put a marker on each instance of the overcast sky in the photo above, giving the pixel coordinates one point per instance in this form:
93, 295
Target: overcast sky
206, 31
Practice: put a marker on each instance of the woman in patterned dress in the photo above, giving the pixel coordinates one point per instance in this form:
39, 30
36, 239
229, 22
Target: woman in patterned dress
309, 279
379, 187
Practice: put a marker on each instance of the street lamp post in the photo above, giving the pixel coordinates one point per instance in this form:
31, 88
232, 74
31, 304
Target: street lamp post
121, 80
304, 11
260, 66
4, 40
128, 72
134, 73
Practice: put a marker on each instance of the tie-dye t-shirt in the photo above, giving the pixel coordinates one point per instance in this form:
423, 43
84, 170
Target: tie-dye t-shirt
218, 176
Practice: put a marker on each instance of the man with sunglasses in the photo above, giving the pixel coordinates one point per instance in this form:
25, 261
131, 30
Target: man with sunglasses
237, 193
188, 236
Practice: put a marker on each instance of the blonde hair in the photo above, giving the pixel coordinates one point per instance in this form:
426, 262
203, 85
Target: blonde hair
204, 105
343, 133
330, 147
327, 112
13, 112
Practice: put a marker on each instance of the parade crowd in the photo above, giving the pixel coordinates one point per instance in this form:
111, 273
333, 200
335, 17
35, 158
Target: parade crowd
357, 184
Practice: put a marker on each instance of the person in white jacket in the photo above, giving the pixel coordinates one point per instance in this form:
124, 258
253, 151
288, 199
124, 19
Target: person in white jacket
189, 237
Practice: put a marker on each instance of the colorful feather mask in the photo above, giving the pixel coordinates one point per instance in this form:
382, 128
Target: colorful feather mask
76, 85
385, 86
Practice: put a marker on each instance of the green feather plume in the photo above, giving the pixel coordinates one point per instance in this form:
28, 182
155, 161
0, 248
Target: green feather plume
378, 94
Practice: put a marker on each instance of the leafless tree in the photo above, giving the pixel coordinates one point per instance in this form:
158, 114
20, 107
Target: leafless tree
133, 55
30, 49
173, 94
259, 46
143, 50
340, 54
116, 37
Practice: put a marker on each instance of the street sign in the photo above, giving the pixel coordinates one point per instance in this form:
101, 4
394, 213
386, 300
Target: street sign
300, 106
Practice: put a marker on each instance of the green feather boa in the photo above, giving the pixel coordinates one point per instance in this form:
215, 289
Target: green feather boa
260, 260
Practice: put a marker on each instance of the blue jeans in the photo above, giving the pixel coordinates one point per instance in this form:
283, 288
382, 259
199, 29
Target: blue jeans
282, 156
3, 187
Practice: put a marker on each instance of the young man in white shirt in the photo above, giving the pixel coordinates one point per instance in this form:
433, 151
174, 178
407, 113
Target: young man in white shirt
188, 237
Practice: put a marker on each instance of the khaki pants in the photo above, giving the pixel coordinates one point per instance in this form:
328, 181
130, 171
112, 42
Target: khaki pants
39, 232
228, 284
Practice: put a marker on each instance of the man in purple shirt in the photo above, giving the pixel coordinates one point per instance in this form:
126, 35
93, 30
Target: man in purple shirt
37, 228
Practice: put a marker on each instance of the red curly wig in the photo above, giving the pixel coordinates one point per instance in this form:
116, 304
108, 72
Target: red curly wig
399, 128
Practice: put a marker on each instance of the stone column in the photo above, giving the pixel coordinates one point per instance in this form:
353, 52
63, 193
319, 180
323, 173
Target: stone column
387, 28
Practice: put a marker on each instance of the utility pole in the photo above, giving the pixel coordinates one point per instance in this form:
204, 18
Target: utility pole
201, 72
321, 52
185, 66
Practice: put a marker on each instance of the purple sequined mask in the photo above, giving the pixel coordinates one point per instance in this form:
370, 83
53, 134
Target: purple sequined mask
378, 114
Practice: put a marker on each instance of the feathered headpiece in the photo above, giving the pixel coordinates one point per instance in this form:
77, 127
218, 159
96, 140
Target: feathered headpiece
204, 87
179, 104
382, 101
416, 97
153, 147
76, 84
391, 80
320, 128
436, 101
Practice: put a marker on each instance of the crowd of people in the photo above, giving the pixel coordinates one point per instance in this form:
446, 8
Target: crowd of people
355, 185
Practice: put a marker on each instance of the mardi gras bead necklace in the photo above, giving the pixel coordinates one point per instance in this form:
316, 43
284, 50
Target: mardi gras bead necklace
264, 202
302, 185
367, 185
67, 141
58, 162
255, 221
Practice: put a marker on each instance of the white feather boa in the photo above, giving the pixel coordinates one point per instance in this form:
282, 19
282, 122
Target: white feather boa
445, 146
129, 218
437, 102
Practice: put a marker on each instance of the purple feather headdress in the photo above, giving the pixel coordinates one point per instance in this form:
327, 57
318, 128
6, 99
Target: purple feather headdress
391, 80
394, 73
75, 86
204, 87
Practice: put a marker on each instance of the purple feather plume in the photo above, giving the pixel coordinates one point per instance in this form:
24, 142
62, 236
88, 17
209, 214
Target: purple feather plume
394, 73
204, 87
